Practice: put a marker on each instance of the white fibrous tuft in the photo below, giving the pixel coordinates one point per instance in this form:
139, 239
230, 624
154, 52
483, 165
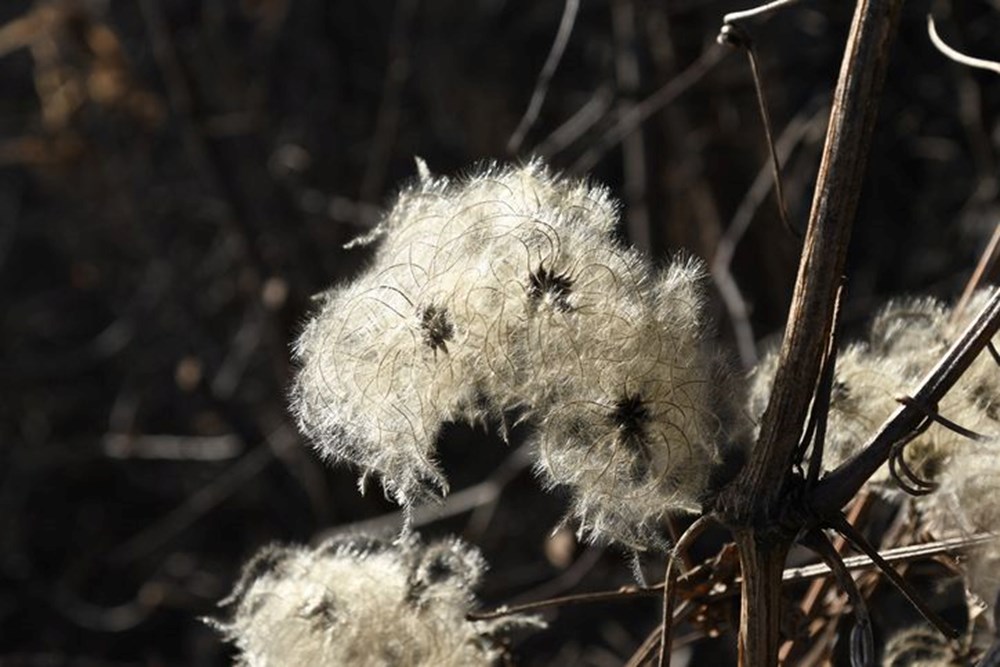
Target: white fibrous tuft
365, 602
631, 426
968, 499
921, 646
507, 292
905, 340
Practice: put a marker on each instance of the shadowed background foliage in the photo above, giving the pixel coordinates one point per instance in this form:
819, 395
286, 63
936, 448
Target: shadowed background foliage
177, 178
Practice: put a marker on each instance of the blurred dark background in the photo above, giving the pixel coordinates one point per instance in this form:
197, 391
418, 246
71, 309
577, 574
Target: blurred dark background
177, 178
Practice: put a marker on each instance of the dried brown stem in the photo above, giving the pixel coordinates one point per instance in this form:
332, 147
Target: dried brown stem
670, 584
752, 504
861, 543
862, 643
810, 317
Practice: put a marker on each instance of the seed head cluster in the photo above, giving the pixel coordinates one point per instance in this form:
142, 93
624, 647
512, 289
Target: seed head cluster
904, 342
363, 601
506, 292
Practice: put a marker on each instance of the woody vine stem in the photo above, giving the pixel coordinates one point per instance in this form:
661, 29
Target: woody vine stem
751, 505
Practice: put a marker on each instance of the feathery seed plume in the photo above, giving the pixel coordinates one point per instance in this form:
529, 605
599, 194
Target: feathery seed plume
507, 292
363, 601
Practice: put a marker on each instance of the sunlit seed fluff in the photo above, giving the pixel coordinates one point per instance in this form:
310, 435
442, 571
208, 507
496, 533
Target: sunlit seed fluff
363, 602
379, 376
632, 423
507, 291
920, 646
968, 500
511, 239
426, 332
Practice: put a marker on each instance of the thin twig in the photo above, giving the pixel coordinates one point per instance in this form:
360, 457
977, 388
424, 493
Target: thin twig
195, 507
623, 593
861, 543
646, 648
898, 555
958, 56
821, 401
793, 649
739, 38
641, 112
913, 484
762, 10
936, 416
993, 353
862, 643
633, 147
797, 130
983, 267
670, 583
577, 125
565, 29
686, 583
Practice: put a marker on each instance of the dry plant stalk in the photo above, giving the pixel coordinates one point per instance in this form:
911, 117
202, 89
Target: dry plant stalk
751, 506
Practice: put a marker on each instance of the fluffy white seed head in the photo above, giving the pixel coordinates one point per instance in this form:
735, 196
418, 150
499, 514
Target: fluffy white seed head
630, 423
363, 601
507, 291
905, 340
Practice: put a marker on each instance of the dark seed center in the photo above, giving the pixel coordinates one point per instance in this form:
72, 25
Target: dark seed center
437, 328
630, 415
556, 286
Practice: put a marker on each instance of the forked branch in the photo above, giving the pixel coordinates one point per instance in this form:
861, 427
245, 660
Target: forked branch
842, 484
751, 505
810, 318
